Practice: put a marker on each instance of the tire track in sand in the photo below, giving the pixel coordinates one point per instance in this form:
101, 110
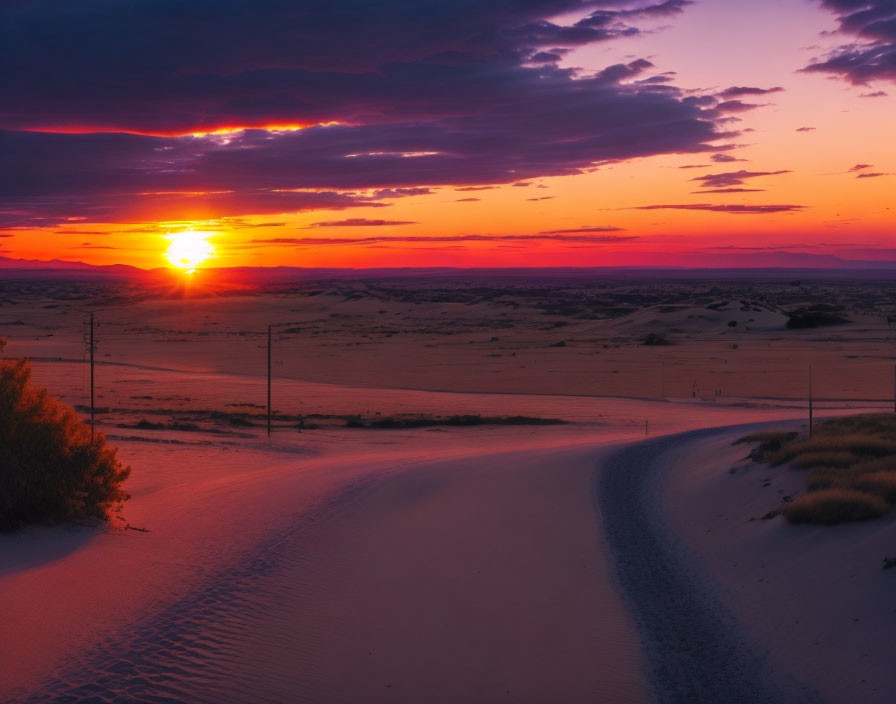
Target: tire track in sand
696, 650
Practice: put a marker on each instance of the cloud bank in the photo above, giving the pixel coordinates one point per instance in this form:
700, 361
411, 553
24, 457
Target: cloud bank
394, 98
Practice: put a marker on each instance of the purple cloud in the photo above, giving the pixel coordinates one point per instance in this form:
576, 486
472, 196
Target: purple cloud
403, 111
361, 222
732, 209
732, 190
741, 91
337, 241
580, 230
733, 178
873, 55
724, 158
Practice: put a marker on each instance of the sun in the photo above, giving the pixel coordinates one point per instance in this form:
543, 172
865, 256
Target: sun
189, 249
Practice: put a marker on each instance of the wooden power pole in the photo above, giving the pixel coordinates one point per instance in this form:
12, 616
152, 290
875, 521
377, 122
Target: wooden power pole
269, 379
92, 393
811, 408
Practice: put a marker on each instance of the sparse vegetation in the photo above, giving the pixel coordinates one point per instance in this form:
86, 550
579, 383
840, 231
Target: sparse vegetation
413, 421
816, 316
655, 340
832, 506
851, 463
51, 470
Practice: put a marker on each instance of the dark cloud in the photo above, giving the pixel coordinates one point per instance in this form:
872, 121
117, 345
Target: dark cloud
805, 129
360, 222
425, 94
871, 175
580, 230
724, 158
861, 167
736, 106
732, 190
541, 198
468, 200
324, 241
741, 91
206, 64
732, 209
733, 178
385, 193
873, 55
875, 94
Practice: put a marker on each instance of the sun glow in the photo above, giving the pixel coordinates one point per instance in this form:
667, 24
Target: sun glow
189, 249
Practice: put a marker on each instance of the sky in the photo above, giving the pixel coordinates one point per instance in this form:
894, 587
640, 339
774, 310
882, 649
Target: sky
349, 133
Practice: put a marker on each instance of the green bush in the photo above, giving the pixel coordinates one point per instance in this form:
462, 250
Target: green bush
51, 470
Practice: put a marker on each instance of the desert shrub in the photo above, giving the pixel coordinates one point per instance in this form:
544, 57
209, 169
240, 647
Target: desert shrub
801, 319
50, 469
831, 506
879, 424
770, 441
882, 484
862, 446
830, 458
845, 457
880, 464
827, 478
655, 340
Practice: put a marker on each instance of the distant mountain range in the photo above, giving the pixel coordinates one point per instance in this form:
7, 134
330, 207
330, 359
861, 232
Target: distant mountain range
8, 265
748, 265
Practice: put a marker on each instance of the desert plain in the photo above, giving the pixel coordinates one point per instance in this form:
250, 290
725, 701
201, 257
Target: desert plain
444, 509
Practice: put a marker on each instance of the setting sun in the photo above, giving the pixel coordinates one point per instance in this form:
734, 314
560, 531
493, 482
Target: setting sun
189, 249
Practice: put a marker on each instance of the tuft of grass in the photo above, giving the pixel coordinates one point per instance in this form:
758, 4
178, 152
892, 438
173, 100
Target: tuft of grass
828, 459
831, 506
864, 446
851, 463
770, 441
881, 484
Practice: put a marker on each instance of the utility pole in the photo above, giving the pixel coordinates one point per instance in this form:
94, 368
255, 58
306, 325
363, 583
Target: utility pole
269, 379
270, 366
811, 408
92, 397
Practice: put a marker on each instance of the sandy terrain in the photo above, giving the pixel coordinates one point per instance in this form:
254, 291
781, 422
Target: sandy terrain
814, 597
440, 563
729, 337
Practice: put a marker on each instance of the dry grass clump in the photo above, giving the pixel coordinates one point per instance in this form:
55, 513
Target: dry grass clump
830, 506
830, 458
851, 463
51, 470
769, 441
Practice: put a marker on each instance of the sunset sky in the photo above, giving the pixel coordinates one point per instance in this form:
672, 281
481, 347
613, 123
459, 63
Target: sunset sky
351, 133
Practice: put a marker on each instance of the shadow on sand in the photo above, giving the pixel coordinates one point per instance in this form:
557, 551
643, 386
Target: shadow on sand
38, 545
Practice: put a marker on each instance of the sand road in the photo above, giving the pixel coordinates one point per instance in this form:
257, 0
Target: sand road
478, 580
539, 575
